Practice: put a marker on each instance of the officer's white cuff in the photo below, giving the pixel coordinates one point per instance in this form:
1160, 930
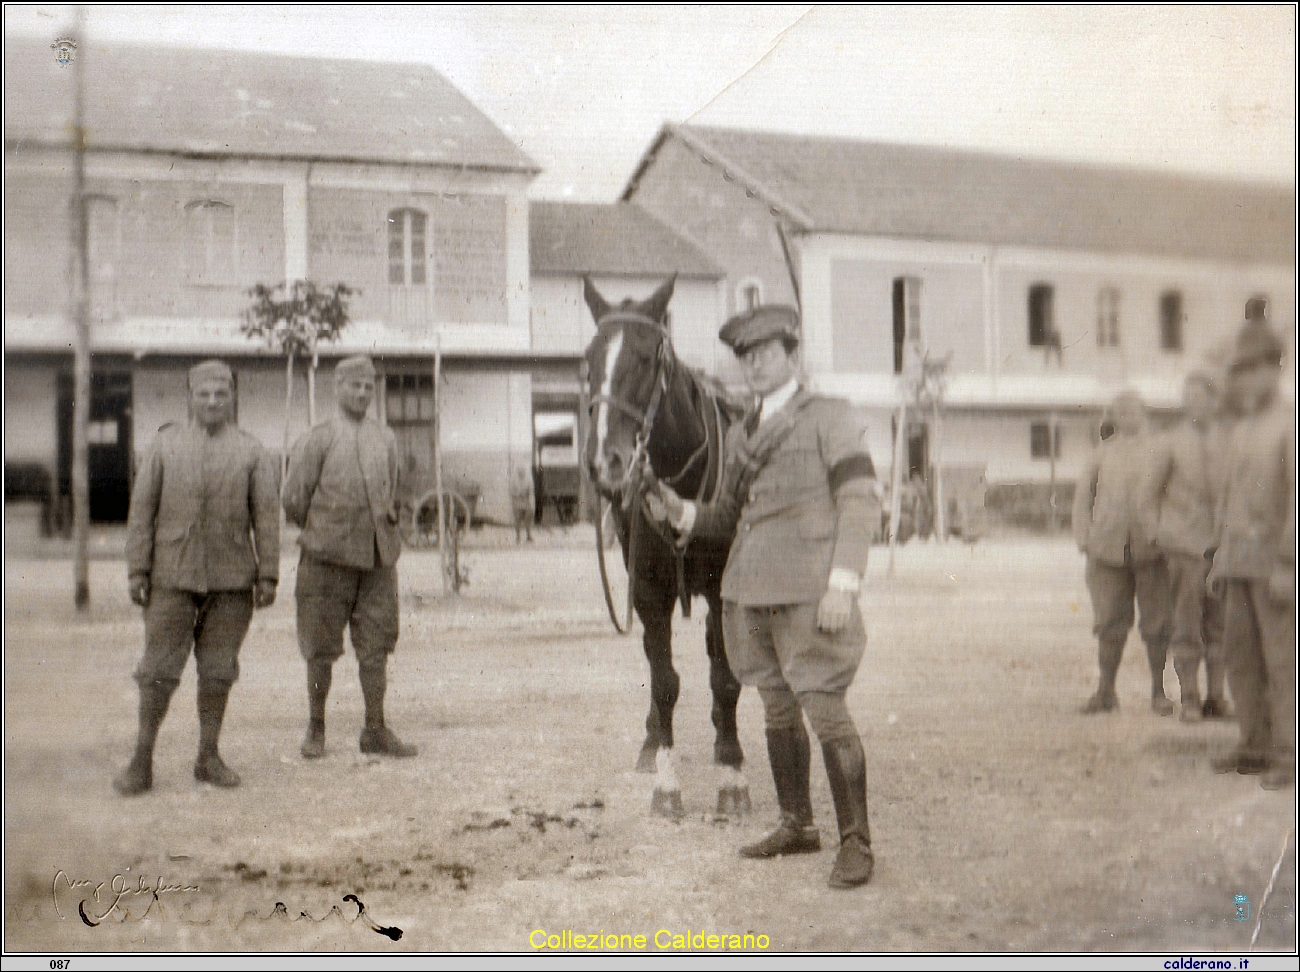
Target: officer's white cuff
686, 523
844, 580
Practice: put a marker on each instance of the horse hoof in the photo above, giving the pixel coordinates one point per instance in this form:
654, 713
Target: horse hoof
667, 803
645, 763
734, 801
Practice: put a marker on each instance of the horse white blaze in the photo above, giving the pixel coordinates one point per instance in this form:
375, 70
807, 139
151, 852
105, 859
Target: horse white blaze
612, 350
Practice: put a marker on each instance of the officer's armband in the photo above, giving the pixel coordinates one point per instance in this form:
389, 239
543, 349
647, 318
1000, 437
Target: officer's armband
856, 466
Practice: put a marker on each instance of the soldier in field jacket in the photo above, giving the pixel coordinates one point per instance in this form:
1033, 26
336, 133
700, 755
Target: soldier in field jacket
202, 549
1114, 525
799, 498
1254, 561
342, 489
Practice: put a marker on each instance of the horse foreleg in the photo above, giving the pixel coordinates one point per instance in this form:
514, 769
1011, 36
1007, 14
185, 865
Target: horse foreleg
665, 685
733, 787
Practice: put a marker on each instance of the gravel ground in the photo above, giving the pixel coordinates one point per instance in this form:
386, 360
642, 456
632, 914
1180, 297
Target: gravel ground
1002, 820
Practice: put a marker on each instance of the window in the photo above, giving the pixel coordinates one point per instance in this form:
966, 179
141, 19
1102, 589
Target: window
749, 294
408, 399
1040, 435
408, 251
1042, 326
104, 245
1108, 317
907, 317
1171, 320
212, 254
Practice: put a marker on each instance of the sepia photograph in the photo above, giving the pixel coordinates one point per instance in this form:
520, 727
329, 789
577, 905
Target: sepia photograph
689, 481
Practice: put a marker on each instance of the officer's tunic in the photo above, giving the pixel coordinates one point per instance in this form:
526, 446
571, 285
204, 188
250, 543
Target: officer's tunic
804, 512
203, 527
342, 490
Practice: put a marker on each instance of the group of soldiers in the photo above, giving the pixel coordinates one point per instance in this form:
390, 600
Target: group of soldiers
1197, 526
203, 551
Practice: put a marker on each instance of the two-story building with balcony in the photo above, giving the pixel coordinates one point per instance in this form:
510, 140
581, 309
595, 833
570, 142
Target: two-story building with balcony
211, 171
1050, 285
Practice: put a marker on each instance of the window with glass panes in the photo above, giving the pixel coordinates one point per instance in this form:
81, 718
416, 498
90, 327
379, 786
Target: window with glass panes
408, 253
408, 399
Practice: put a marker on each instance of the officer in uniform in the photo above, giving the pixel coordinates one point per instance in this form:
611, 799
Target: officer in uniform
1186, 473
342, 490
1114, 526
799, 499
1254, 562
202, 550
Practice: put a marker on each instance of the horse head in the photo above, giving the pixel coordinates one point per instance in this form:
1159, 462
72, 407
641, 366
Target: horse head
627, 368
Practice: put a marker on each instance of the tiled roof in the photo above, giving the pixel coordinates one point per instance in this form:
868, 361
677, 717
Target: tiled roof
617, 238
917, 192
207, 102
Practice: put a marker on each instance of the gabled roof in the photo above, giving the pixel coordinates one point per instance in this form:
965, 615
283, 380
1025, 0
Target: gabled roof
918, 192
610, 238
197, 101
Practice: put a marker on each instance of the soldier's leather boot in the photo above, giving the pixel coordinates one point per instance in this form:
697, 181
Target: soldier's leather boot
846, 769
377, 738
1216, 709
137, 778
789, 753
320, 675
209, 768
1191, 708
1247, 764
1278, 777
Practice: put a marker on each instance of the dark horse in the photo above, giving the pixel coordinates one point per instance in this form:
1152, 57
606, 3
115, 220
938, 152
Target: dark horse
652, 417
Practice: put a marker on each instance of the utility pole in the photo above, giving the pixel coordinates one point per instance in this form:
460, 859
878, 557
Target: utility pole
81, 321
437, 464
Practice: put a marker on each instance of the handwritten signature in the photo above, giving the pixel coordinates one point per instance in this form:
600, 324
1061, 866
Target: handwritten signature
118, 897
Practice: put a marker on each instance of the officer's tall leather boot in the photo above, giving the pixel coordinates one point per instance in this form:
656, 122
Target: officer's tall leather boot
789, 753
1216, 703
1160, 703
846, 769
209, 768
320, 675
137, 778
1186, 668
377, 737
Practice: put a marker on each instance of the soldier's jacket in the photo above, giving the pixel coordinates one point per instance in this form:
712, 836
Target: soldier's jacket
807, 510
1186, 478
342, 491
1256, 516
1113, 502
204, 511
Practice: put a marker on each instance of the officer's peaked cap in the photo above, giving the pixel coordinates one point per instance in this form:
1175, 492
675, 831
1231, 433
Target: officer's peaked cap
358, 366
760, 324
211, 370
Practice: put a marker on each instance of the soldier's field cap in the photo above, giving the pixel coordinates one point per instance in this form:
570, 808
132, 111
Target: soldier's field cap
1256, 344
358, 366
760, 324
211, 370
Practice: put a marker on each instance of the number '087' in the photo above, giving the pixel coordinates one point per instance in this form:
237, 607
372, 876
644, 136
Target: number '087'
60, 963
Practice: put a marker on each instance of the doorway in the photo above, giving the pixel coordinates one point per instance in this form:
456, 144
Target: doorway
110, 444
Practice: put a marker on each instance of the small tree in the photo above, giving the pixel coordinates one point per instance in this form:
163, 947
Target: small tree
293, 319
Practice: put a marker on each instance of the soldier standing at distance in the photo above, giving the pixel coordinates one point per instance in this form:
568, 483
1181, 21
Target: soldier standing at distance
1113, 526
1255, 561
798, 499
202, 549
522, 502
1186, 473
342, 491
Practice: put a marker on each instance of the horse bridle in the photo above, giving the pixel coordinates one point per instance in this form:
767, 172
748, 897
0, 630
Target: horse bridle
646, 417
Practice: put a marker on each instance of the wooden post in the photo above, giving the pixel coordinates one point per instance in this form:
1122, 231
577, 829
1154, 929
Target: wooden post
940, 508
896, 479
1051, 454
311, 386
81, 349
437, 460
288, 414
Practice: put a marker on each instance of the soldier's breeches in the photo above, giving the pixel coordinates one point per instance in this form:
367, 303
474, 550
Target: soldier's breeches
331, 598
1259, 636
1197, 618
780, 647
827, 712
1113, 590
212, 624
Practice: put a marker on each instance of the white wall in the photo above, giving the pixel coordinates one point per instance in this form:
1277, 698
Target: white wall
29, 406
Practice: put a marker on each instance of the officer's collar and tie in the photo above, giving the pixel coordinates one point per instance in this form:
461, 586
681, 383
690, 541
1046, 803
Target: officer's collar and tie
773, 402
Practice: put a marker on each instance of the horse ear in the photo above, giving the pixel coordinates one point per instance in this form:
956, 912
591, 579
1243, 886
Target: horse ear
598, 305
657, 306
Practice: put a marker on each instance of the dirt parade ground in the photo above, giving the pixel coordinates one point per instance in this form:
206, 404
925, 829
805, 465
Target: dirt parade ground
1001, 818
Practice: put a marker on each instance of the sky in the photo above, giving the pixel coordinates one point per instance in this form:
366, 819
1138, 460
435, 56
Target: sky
583, 90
